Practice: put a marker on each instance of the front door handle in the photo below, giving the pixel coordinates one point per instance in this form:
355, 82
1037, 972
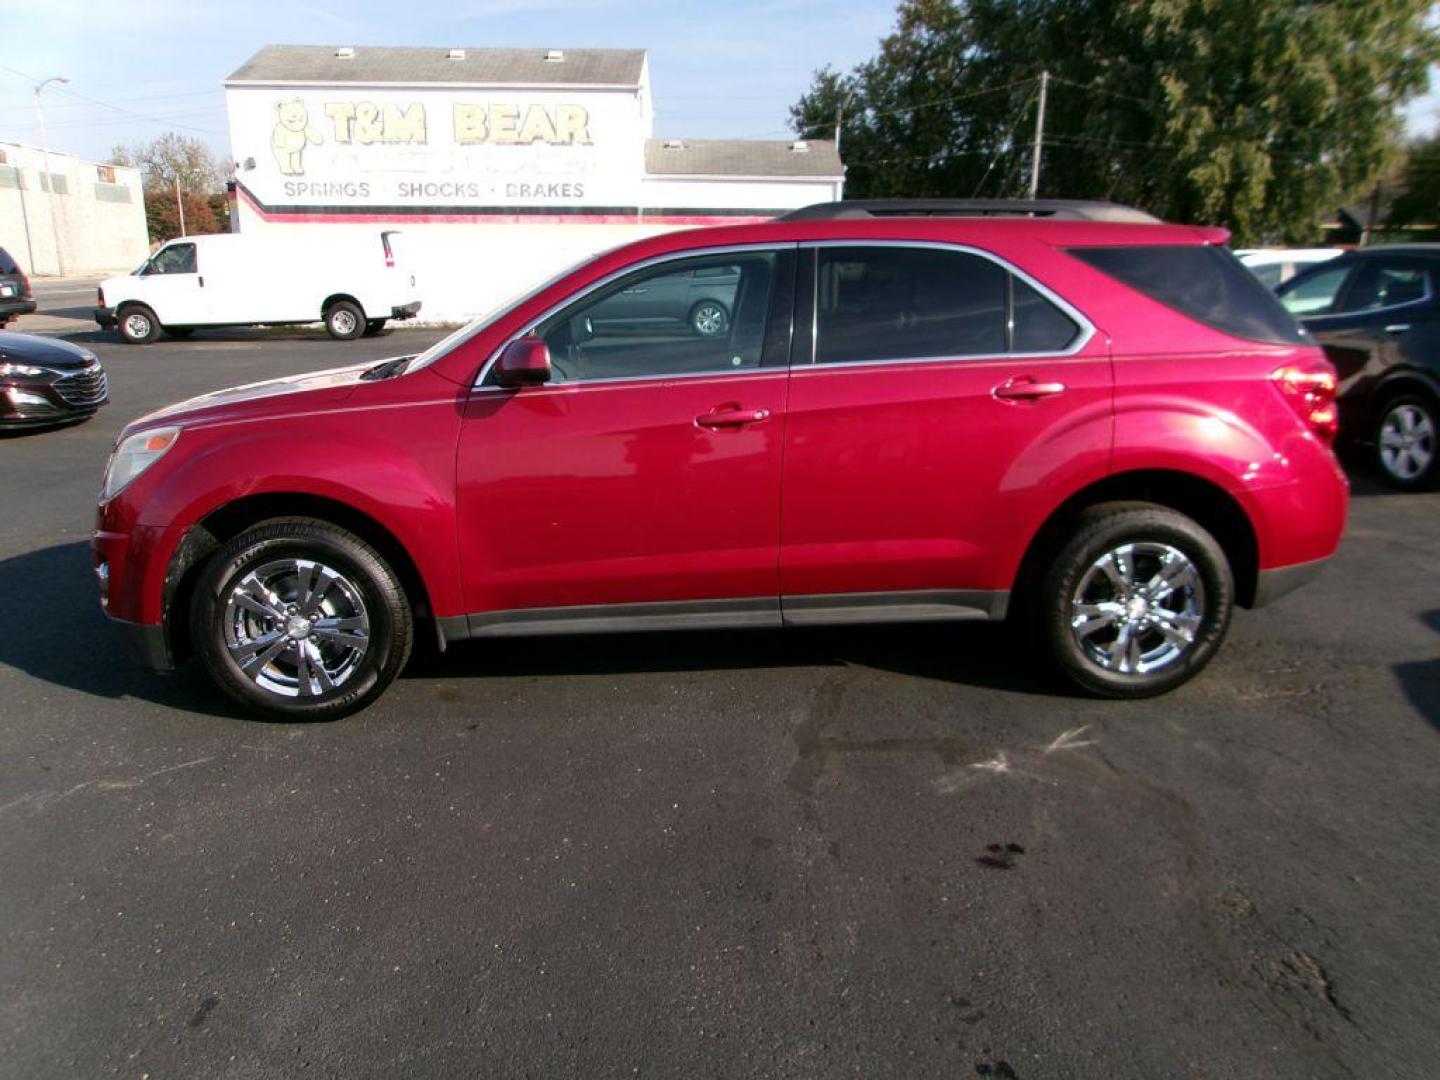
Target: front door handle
730, 418
1397, 328
202, 282
1024, 388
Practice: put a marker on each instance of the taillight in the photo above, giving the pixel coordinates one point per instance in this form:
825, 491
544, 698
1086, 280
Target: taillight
1311, 393
24, 285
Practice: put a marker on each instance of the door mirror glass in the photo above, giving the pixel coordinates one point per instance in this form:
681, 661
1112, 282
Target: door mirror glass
524, 362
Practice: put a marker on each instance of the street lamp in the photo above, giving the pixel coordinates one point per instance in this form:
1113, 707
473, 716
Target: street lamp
45, 157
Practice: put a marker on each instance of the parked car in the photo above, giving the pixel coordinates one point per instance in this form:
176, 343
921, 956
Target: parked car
15, 296
232, 279
1075, 416
44, 381
700, 299
1376, 311
1275, 266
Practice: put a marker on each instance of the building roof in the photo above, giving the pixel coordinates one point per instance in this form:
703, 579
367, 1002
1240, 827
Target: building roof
414, 66
743, 157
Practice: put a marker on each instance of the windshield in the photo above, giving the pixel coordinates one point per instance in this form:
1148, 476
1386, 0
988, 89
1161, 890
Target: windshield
444, 345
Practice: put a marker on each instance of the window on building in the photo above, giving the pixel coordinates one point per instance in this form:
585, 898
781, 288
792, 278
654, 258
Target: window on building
106, 173
55, 182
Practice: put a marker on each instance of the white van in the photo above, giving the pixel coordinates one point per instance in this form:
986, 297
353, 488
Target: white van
353, 284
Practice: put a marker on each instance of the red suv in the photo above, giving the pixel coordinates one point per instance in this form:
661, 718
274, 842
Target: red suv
1068, 413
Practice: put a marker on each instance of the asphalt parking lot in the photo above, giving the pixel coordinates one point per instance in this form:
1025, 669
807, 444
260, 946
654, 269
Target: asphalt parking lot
804, 854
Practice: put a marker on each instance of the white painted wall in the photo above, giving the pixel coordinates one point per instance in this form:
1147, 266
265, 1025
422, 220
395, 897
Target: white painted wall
96, 233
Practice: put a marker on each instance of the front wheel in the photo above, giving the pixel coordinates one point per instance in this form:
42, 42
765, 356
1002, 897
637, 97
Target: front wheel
344, 321
301, 620
1406, 447
1137, 602
137, 324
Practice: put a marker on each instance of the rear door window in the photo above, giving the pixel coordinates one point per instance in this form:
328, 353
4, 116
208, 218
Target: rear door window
1037, 325
1206, 283
1383, 284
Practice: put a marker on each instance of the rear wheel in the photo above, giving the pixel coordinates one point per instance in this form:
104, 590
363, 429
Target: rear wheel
344, 321
1137, 602
137, 324
373, 327
301, 620
1407, 449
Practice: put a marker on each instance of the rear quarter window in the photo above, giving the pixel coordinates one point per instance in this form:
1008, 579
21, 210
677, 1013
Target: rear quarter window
7, 264
1204, 282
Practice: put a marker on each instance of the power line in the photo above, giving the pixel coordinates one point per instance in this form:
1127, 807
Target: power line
115, 108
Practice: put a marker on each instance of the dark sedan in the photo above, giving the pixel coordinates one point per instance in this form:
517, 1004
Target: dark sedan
1377, 313
15, 298
44, 381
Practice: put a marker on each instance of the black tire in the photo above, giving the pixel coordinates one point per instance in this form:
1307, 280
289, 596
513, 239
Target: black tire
344, 321
1412, 465
1202, 609
179, 333
374, 327
709, 318
362, 572
137, 324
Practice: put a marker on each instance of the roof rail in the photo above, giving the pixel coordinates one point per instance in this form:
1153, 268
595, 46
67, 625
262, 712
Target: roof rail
1051, 209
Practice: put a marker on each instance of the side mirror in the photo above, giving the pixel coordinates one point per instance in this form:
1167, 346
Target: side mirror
524, 362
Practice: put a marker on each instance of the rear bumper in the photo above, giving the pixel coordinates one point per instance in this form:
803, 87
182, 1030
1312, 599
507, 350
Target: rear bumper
1271, 585
105, 317
146, 645
13, 306
405, 311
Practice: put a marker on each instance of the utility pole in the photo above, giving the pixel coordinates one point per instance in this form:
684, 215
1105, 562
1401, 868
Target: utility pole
25, 216
45, 153
840, 118
179, 204
1039, 135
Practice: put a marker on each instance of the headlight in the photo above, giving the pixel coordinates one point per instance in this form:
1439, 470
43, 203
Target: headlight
136, 454
25, 371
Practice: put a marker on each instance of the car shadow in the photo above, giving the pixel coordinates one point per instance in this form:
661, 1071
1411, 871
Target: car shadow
74, 648
1420, 679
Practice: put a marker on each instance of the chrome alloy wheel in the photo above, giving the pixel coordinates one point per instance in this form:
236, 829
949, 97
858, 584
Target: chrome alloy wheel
1138, 608
296, 628
709, 319
343, 322
1407, 441
137, 326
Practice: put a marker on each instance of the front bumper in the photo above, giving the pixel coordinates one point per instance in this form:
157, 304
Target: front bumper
145, 645
33, 403
405, 311
105, 318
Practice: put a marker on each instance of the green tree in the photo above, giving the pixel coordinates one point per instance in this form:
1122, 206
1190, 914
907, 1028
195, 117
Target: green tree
1260, 115
1418, 198
161, 162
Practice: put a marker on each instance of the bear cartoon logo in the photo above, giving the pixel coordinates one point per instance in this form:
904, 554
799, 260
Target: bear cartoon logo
292, 132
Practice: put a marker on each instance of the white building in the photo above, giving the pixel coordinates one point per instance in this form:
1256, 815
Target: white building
92, 223
500, 166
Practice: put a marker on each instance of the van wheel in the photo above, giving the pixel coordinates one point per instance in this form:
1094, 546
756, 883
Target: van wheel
344, 321
1137, 602
373, 327
709, 318
300, 620
137, 324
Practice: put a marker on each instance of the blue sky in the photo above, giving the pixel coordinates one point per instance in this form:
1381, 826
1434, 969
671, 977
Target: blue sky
717, 69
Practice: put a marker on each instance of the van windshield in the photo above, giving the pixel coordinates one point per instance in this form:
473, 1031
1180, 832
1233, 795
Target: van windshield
470, 329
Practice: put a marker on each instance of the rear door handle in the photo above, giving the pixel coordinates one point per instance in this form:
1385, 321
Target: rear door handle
1025, 388
729, 418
